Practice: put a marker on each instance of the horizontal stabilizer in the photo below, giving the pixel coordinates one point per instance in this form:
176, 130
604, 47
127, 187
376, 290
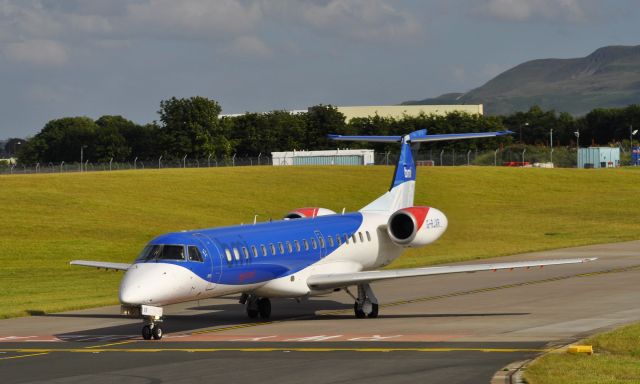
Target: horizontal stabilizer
339, 280
420, 137
101, 264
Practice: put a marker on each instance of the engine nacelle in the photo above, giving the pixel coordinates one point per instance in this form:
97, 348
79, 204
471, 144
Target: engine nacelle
308, 212
416, 226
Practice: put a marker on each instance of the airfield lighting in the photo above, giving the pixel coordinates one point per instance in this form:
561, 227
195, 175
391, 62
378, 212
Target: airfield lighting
526, 124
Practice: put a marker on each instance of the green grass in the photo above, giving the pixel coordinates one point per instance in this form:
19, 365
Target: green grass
51, 219
616, 360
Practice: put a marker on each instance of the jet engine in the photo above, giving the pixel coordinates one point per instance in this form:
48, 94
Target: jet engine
416, 226
308, 212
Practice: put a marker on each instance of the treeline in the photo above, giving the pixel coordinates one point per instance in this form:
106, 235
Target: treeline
193, 127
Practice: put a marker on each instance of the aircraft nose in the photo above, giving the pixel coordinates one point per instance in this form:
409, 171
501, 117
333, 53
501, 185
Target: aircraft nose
154, 284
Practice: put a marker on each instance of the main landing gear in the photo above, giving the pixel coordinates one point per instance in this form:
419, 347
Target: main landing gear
256, 306
366, 304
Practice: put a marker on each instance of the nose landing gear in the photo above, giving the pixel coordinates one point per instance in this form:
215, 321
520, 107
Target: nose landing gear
152, 330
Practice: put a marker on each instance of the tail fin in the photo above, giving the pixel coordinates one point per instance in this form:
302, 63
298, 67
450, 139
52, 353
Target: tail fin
402, 190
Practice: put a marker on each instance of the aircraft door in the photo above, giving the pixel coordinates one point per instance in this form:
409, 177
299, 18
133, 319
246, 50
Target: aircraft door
322, 243
212, 257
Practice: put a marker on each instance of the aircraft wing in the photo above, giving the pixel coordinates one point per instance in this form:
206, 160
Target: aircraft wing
101, 264
420, 137
339, 280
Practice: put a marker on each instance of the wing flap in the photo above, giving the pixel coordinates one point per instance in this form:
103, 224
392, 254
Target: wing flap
339, 280
101, 264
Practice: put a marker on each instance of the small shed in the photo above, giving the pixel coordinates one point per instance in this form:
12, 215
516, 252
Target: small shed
331, 157
599, 157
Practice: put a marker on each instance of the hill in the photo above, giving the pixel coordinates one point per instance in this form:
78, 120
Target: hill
609, 77
50, 219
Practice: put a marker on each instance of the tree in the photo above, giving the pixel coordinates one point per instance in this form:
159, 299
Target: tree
321, 121
191, 126
60, 140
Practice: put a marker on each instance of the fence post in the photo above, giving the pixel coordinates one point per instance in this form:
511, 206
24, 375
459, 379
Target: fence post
233, 160
495, 157
135, 163
110, 161
184, 161
259, 155
160, 162
468, 154
61, 165
441, 154
209, 160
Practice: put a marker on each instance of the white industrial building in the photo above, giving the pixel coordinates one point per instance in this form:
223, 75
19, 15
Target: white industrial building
330, 157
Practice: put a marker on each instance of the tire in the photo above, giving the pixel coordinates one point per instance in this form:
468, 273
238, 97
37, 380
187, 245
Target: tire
264, 307
146, 332
252, 313
374, 311
359, 312
157, 333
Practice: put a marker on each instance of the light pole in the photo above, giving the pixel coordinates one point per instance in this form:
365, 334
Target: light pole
577, 133
551, 142
631, 134
82, 147
523, 152
526, 124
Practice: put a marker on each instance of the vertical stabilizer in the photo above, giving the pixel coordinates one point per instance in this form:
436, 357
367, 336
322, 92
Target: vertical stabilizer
402, 190
403, 185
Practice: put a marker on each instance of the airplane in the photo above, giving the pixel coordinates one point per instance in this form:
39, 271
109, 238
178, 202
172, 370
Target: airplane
310, 252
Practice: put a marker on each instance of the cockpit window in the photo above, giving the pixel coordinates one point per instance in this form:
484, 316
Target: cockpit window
161, 252
194, 254
172, 252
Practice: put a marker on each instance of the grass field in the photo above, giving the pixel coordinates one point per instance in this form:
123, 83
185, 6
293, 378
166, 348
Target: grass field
51, 219
616, 360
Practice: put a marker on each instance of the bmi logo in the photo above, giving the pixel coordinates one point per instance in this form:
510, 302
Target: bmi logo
407, 173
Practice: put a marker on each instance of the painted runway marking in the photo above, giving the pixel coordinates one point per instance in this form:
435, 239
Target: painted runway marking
39, 351
21, 356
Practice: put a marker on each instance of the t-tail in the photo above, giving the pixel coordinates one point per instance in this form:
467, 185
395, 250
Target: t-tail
402, 190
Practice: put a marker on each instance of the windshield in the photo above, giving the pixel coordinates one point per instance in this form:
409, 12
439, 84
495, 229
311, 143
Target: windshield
161, 252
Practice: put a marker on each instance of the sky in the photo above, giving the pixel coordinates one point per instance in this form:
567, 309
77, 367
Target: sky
91, 58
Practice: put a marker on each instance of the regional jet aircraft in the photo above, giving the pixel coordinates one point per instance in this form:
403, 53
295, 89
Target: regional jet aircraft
310, 252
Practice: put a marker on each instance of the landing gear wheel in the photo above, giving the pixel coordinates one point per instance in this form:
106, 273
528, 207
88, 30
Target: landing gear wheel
358, 311
156, 332
252, 313
374, 311
264, 307
146, 332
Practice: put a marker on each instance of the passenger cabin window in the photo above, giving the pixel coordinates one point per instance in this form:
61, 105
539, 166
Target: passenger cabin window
264, 250
281, 248
321, 240
353, 238
289, 247
194, 254
172, 252
254, 250
306, 244
361, 237
227, 252
368, 236
346, 239
339, 239
297, 243
314, 244
246, 252
236, 254
273, 249
330, 240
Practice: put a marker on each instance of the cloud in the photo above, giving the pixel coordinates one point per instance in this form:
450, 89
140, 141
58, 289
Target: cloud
37, 52
194, 18
351, 19
537, 10
249, 46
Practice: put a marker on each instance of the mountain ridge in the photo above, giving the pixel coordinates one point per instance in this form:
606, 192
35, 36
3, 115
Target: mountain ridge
608, 77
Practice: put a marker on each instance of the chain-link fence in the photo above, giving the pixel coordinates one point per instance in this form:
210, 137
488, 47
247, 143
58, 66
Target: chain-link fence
561, 157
